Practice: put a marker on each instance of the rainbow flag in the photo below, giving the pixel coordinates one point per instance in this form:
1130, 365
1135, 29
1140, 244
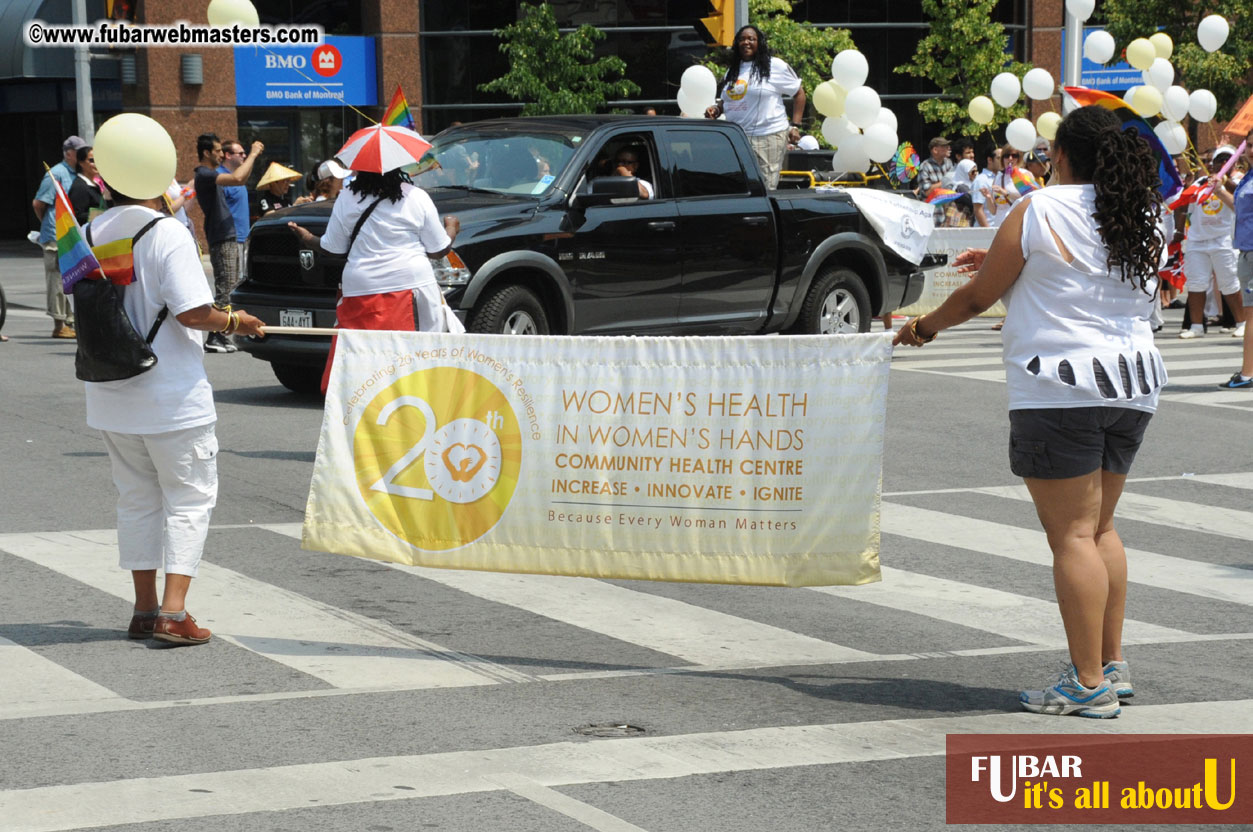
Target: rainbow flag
74, 256
397, 114
1023, 181
1171, 184
940, 195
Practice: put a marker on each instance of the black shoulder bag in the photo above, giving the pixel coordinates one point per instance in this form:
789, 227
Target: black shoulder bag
109, 347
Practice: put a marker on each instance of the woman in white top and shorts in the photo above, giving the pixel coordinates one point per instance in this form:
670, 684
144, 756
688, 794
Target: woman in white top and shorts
752, 97
388, 281
1076, 264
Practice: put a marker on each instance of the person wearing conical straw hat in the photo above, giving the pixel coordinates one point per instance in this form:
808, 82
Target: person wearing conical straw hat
390, 231
274, 189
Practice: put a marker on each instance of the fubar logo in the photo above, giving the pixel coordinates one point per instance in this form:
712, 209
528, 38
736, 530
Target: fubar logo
438, 454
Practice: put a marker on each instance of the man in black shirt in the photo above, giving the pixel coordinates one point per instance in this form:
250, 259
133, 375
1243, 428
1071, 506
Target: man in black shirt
225, 249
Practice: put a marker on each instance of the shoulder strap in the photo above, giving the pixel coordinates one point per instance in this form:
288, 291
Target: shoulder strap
165, 310
365, 215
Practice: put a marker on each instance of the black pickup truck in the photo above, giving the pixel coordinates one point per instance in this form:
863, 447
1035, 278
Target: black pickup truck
552, 242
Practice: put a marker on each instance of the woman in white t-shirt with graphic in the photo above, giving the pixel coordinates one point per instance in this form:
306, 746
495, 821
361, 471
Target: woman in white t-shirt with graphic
388, 281
1077, 265
752, 97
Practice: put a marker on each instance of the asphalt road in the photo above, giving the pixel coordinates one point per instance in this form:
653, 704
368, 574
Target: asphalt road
346, 694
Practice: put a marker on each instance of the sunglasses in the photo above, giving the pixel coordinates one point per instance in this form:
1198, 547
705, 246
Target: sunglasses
1013, 156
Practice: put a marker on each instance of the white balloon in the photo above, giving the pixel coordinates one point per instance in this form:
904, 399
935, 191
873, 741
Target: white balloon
1005, 89
1021, 134
1175, 103
1038, 84
837, 129
1212, 32
849, 69
689, 104
851, 155
862, 106
230, 12
888, 117
1160, 75
1172, 136
880, 142
1099, 47
1081, 9
1202, 105
699, 81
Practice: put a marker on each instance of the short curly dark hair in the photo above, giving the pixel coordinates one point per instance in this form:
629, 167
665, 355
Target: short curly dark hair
1123, 169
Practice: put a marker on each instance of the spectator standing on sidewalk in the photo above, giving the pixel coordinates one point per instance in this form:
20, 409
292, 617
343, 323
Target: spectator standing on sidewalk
64, 172
233, 155
1242, 201
219, 224
1208, 252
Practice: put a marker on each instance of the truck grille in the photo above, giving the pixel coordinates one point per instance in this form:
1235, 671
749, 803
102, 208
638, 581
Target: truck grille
274, 262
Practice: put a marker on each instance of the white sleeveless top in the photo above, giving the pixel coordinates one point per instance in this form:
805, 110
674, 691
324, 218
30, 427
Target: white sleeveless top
1076, 335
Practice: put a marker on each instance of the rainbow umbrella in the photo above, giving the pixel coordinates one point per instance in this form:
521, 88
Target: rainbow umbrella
1171, 184
905, 162
940, 195
381, 148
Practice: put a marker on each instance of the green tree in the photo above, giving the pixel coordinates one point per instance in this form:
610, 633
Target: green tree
962, 52
1224, 73
554, 73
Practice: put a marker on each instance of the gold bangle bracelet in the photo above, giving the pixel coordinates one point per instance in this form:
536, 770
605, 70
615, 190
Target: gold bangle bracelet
913, 330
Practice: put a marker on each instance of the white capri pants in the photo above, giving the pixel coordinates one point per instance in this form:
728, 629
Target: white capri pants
167, 485
1199, 264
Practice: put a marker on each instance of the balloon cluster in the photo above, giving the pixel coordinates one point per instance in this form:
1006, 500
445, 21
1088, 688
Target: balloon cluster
697, 89
855, 122
1159, 95
1006, 89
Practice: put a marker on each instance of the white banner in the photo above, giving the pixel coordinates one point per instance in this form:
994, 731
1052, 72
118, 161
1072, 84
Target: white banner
940, 283
904, 224
751, 460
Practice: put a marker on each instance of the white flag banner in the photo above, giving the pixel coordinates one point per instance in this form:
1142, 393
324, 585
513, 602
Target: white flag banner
939, 283
753, 460
904, 224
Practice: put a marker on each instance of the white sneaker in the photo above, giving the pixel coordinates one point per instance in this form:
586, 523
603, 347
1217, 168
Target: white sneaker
1191, 333
1239, 331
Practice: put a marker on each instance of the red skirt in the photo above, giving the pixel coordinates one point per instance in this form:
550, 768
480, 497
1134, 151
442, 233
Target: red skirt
387, 310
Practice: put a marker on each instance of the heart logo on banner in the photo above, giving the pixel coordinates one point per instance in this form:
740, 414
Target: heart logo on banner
463, 461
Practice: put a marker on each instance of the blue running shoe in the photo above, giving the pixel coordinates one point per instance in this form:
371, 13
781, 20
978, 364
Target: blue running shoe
1118, 675
1236, 382
1068, 696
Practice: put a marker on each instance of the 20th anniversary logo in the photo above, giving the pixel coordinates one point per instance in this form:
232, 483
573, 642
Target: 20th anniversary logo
438, 453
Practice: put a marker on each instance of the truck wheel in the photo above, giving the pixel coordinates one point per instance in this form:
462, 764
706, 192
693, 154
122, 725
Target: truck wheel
298, 378
837, 304
510, 310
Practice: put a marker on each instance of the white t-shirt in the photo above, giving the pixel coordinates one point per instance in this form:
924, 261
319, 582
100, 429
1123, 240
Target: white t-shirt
1210, 224
983, 182
756, 104
390, 252
1076, 312
174, 394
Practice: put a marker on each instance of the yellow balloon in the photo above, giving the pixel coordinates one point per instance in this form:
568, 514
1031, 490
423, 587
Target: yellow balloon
230, 12
135, 156
1147, 101
829, 99
1162, 44
981, 109
1140, 53
1046, 125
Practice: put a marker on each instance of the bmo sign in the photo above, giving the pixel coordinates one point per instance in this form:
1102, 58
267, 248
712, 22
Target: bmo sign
340, 70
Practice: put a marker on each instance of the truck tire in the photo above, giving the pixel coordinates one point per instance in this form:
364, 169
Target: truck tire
298, 378
510, 310
837, 304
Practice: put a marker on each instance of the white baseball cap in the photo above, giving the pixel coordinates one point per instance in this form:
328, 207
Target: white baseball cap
807, 143
331, 168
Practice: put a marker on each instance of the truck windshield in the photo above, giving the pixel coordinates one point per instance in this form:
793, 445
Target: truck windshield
506, 162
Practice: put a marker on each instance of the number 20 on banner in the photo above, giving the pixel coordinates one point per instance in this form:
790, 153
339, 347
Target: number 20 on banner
437, 455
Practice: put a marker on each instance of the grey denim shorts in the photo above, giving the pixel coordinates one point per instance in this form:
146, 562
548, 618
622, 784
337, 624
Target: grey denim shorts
1061, 442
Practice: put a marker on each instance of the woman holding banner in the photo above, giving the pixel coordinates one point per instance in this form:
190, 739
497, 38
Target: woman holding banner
1077, 267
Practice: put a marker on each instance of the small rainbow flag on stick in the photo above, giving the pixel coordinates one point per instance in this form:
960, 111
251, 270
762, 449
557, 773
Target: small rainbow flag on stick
940, 195
1023, 181
74, 256
397, 114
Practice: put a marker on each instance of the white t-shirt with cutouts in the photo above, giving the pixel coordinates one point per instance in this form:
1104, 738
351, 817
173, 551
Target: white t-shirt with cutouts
1076, 335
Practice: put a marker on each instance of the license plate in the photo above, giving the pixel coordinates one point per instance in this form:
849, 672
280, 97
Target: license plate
295, 317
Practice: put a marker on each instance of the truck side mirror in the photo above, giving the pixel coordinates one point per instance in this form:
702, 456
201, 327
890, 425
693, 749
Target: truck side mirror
605, 189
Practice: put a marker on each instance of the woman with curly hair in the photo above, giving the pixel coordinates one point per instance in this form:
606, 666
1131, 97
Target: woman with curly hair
1076, 264
389, 230
752, 96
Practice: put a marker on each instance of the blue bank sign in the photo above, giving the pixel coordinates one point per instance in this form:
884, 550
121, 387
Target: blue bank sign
340, 70
1117, 77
